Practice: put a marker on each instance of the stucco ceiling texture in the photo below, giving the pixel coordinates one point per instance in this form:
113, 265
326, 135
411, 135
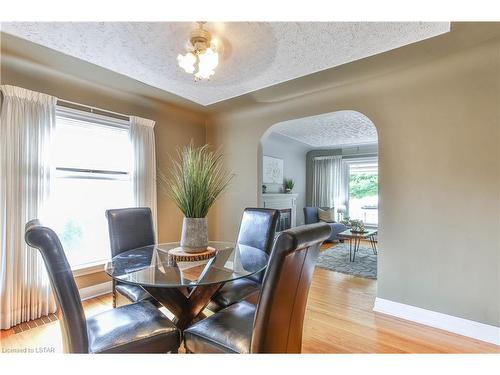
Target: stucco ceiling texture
254, 55
341, 128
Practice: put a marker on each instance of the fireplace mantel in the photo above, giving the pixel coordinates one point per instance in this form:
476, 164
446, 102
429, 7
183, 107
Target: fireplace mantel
281, 201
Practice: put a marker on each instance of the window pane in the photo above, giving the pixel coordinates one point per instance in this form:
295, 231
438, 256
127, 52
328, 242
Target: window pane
77, 215
363, 192
84, 145
79, 199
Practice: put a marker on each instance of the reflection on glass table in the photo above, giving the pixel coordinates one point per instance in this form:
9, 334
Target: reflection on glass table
185, 288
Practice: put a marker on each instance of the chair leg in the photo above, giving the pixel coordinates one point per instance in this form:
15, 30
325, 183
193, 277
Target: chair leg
114, 294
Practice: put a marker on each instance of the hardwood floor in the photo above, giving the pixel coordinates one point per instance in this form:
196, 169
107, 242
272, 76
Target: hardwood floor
339, 319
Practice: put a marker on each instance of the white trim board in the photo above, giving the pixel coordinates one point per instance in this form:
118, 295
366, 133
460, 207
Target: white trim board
464, 327
95, 290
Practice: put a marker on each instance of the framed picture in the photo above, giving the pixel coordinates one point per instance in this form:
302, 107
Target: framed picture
272, 170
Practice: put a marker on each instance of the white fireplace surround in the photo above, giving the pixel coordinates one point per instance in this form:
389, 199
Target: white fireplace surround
280, 201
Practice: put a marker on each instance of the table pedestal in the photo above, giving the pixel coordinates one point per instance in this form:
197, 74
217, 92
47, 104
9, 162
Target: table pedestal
186, 304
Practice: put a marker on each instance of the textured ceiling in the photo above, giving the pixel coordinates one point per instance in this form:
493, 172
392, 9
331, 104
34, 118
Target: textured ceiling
255, 54
341, 128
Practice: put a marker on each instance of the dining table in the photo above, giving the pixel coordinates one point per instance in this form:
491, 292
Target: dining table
185, 287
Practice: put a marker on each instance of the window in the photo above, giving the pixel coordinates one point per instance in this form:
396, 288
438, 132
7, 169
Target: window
363, 190
93, 159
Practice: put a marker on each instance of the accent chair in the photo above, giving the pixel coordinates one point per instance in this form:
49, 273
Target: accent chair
311, 217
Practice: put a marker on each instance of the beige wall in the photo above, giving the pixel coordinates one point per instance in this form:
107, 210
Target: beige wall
439, 175
174, 126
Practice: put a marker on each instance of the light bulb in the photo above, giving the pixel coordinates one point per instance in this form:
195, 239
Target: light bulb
187, 62
208, 61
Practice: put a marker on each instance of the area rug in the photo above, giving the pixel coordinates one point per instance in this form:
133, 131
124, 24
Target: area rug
336, 259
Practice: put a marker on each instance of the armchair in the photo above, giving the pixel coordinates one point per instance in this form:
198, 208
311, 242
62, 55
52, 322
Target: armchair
311, 217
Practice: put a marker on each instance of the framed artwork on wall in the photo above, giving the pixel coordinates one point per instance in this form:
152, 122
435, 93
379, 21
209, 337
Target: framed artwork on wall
272, 170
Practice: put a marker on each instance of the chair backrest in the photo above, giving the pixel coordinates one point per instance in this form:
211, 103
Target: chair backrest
73, 323
282, 302
311, 215
130, 228
258, 229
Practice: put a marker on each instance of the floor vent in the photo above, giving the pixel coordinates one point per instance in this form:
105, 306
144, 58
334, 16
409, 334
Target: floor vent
26, 326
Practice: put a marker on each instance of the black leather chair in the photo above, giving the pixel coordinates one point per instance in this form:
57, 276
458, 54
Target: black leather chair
130, 228
275, 324
257, 229
136, 328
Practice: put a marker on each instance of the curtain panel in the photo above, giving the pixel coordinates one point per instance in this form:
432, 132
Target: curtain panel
142, 137
328, 182
27, 121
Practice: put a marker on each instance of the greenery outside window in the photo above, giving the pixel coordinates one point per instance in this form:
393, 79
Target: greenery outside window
362, 190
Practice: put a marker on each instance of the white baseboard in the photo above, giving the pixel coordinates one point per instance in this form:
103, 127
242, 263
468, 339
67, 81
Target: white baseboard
95, 290
464, 327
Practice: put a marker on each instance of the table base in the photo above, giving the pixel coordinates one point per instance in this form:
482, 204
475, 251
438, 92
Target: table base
185, 304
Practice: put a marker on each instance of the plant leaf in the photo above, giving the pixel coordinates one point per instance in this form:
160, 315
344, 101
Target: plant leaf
196, 180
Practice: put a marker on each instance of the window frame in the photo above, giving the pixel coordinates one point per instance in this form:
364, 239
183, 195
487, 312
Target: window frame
61, 172
94, 118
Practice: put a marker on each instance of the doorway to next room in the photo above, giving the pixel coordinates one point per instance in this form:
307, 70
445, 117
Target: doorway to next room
325, 168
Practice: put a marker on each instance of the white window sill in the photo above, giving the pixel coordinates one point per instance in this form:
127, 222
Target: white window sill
88, 268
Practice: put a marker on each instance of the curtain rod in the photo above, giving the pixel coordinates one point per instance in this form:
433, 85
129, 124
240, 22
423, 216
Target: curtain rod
346, 155
88, 108
324, 157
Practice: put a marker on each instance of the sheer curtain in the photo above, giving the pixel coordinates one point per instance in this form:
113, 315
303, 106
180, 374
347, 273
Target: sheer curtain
142, 137
27, 121
328, 181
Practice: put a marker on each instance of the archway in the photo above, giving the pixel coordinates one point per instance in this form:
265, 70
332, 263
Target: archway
332, 159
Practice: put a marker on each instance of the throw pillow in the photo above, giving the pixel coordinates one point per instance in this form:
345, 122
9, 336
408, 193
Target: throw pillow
327, 216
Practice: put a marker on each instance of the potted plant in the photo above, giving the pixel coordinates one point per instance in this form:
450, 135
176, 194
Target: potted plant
346, 221
196, 181
357, 226
288, 185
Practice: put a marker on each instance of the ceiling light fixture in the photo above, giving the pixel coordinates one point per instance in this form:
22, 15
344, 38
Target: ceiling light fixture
203, 57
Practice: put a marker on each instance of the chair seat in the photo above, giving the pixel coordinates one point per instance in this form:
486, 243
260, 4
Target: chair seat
227, 331
232, 292
136, 328
133, 293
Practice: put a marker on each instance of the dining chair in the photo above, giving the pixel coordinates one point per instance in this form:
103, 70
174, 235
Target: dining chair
136, 328
257, 229
130, 228
275, 324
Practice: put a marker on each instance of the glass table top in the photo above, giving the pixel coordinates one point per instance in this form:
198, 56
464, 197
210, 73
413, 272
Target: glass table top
152, 266
366, 233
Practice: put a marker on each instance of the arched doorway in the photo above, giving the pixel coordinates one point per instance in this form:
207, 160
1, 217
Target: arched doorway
332, 159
